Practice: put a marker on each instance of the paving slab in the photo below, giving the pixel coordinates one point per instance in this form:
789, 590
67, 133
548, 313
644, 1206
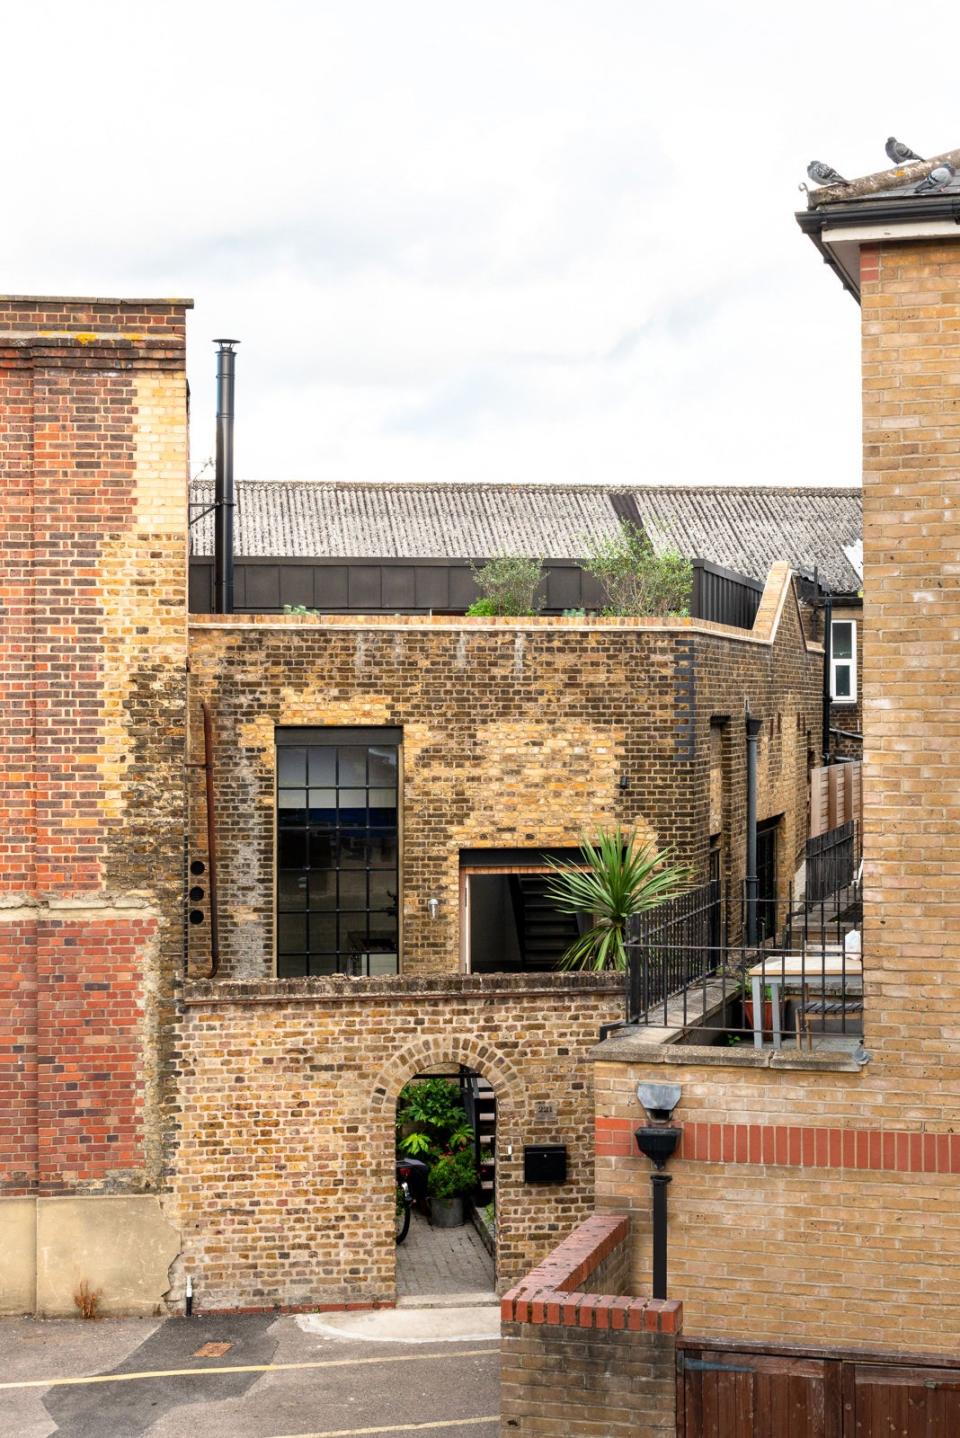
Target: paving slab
442, 1260
438, 1324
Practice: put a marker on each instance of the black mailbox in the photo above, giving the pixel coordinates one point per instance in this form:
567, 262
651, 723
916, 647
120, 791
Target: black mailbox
545, 1163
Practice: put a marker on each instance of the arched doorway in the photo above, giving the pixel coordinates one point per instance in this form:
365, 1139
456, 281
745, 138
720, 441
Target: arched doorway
446, 1140
466, 1259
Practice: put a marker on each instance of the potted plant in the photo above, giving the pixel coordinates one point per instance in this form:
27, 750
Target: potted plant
452, 1177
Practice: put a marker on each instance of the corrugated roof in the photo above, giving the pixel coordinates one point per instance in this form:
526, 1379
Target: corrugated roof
745, 528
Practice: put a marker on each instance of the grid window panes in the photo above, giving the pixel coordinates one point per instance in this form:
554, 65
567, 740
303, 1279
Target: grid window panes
843, 661
337, 852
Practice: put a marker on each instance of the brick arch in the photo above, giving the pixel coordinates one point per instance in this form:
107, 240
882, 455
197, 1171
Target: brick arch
499, 1072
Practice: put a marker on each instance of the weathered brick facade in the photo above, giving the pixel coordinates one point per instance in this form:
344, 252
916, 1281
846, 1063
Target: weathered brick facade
93, 449
284, 1179
517, 734
810, 1204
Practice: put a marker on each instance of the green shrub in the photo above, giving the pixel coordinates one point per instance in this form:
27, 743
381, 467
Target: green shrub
432, 1110
483, 608
452, 1174
637, 581
509, 585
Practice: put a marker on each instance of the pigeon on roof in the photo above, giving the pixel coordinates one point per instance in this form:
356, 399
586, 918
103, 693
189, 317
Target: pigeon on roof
938, 179
822, 174
900, 153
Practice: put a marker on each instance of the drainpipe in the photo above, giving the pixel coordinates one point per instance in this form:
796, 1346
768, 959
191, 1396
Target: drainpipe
224, 498
211, 839
753, 733
827, 659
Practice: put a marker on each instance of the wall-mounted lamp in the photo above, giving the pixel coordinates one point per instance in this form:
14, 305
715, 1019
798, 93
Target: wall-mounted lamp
433, 907
658, 1142
624, 781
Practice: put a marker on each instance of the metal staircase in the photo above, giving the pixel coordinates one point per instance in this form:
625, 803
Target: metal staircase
543, 932
481, 1107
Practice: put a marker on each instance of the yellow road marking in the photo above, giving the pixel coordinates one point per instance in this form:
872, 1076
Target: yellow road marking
252, 1368
393, 1428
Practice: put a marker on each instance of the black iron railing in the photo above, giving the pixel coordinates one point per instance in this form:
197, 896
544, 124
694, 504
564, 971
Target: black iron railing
668, 946
687, 975
831, 862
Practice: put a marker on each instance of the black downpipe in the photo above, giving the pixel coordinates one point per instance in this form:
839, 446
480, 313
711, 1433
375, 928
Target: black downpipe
224, 497
827, 662
753, 733
659, 1183
211, 840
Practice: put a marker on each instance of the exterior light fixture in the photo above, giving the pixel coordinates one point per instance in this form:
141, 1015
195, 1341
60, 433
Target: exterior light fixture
658, 1141
433, 907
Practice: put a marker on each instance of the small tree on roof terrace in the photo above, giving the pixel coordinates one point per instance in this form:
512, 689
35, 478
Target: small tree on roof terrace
637, 581
508, 585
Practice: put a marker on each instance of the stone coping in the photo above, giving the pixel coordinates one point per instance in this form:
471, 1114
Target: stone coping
553, 1292
340, 988
639, 1046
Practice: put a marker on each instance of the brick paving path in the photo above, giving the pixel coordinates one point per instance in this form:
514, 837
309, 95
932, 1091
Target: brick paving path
442, 1260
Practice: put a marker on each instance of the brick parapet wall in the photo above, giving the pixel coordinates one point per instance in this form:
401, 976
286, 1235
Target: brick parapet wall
283, 1176
93, 586
579, 1355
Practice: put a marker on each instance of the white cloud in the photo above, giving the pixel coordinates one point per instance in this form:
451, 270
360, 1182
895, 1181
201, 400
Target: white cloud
537, 239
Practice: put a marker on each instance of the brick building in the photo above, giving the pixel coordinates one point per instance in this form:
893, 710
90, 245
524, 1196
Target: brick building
157, 1121
814, 1240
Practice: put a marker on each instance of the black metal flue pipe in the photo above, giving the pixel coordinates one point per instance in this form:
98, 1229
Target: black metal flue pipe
224, 497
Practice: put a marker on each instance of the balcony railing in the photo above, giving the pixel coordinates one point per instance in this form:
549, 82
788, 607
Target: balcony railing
692, 976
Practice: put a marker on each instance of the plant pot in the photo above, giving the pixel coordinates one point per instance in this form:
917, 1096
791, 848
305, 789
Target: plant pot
767, 1015
446, 1212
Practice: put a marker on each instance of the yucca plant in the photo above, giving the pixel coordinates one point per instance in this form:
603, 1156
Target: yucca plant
619, 877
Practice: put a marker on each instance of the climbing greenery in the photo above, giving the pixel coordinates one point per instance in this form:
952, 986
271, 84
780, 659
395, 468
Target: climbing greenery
637, 581
508, 586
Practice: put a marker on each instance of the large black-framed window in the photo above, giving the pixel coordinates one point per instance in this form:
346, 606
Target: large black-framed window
338, 860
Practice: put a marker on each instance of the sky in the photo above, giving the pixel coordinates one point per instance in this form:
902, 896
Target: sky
528, 240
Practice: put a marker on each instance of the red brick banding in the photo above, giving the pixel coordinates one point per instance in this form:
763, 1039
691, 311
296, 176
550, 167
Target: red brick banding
794, 1146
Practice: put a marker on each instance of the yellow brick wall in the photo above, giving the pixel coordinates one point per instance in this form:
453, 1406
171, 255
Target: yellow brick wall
854, 1254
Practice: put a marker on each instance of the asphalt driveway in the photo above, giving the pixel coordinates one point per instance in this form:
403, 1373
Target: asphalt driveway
351, 1376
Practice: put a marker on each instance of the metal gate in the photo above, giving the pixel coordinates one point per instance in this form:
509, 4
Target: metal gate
750, 1392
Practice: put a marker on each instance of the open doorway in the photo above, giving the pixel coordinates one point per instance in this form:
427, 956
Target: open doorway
508, 922
446, 1148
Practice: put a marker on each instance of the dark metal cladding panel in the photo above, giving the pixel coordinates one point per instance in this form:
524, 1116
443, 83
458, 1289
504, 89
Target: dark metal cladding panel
433, 587
363, 586
296, 585
201, 587
330, 587
563, 587
398, 587
592, 595
262, 587
463, 587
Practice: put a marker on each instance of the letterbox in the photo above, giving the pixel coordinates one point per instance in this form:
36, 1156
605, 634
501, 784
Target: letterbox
545, 1163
